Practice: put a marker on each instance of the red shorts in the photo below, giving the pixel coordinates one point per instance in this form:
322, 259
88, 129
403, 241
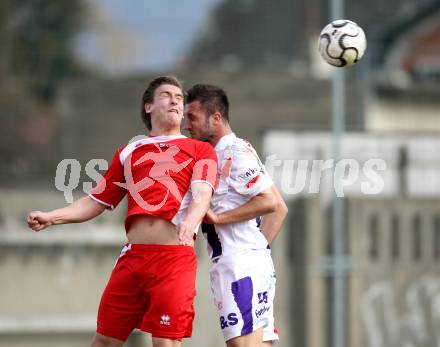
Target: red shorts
152, 287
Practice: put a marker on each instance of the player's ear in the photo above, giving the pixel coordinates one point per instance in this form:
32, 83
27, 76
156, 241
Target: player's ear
217, 116
147, 107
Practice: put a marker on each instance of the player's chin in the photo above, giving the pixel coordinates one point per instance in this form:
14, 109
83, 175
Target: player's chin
174, 119
176, 115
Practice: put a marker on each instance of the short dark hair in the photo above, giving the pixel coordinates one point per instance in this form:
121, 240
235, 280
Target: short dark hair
212, 98
148, 96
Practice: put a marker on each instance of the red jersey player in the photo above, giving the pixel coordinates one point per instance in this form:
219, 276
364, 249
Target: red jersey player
168, 179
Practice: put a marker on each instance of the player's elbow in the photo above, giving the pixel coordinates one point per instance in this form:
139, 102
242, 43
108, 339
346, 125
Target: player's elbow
281, 208
271, 203
267, 202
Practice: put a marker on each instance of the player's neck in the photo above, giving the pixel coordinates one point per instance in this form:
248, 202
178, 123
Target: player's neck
220, 133
165, 132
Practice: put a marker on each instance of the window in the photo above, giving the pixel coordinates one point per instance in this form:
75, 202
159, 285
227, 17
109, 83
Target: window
373, 233
436, 237
417, 237
395, 237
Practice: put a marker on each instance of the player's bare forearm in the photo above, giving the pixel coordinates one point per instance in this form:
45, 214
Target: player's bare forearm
259, 205
271, 223
199, 205
79, 211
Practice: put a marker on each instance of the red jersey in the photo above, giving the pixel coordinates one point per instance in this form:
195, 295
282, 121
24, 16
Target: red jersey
157, 173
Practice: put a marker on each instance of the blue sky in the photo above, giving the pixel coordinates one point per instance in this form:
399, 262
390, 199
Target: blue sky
140, 35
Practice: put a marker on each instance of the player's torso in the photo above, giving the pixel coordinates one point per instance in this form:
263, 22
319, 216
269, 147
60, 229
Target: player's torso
232, 238
158, 171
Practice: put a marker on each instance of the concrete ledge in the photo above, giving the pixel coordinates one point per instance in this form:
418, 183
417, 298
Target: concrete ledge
48, 324
65, 235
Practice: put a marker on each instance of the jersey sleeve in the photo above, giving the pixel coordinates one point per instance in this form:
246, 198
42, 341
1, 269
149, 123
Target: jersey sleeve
110, 190
248, 175
205, 167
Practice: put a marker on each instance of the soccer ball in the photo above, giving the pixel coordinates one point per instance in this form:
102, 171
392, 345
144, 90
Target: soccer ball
342, 43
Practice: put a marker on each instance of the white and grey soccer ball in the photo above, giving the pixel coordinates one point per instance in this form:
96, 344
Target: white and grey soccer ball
342, 43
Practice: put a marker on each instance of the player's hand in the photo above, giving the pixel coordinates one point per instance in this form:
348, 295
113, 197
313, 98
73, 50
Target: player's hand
186, 233
211, 217
38, 220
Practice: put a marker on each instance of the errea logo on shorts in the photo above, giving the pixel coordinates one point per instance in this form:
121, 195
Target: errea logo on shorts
165, 319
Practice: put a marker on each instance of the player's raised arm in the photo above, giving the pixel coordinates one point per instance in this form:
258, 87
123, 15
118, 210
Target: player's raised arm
272, 222
79, 211
261, 204
199, 205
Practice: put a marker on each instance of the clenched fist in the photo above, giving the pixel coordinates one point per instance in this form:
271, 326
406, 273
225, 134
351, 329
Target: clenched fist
38, 220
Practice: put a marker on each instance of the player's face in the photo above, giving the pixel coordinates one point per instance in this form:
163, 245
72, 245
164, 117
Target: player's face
167, 106
198, 122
